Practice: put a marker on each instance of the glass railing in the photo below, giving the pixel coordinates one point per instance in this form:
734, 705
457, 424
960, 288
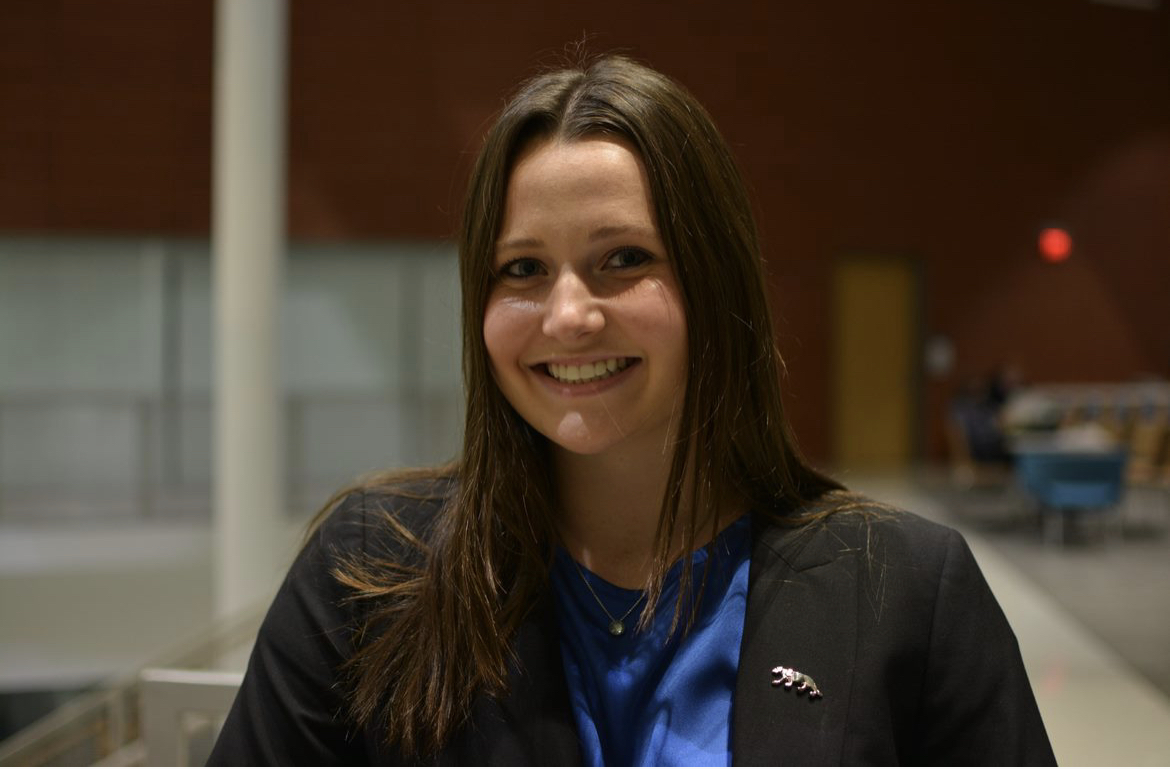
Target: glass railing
107, 359
146, 458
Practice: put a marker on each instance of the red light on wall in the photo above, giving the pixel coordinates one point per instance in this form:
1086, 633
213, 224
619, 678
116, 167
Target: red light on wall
1055, 244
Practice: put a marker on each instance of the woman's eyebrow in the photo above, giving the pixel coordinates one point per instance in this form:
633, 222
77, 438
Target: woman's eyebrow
610, 231
601, 233
519, 243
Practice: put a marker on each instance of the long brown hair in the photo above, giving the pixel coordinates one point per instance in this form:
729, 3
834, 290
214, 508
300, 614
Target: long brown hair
439, 632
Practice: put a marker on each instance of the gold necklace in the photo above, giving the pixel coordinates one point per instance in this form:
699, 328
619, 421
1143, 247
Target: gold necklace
617, 625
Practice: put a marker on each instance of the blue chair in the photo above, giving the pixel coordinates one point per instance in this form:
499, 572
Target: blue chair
1065, 483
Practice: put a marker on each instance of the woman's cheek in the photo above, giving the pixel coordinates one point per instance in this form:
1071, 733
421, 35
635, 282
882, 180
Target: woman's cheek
507, 322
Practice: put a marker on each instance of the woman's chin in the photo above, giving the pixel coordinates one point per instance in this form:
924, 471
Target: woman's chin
603, 436
575, 435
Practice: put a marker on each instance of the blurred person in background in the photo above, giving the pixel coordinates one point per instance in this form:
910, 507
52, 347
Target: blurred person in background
977, 412
630, 562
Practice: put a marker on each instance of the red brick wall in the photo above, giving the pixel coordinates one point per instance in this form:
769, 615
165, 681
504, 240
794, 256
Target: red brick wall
948, 131
105, 116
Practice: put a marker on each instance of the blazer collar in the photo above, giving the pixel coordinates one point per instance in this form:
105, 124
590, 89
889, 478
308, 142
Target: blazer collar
534, 724
800, 615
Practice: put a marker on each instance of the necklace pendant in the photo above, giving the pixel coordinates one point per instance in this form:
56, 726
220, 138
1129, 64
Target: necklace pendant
616, 628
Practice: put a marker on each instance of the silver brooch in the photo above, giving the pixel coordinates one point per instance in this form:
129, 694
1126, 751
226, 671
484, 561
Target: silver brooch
790, 677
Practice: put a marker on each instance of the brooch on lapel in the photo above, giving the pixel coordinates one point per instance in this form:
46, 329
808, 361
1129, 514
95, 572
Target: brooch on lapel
790, 677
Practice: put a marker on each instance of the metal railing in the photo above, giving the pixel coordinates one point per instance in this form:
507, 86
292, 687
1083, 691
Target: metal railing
182, 712
104, 727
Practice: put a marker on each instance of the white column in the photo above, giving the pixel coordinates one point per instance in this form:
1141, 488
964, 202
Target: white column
248, 254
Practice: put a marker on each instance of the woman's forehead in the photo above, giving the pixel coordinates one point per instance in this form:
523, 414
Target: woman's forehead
597, 184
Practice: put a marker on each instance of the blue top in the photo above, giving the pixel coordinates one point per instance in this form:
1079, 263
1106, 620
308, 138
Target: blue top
655, 699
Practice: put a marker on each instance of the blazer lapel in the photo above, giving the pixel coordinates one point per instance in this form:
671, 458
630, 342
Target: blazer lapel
533, 724
801, 614
538, 705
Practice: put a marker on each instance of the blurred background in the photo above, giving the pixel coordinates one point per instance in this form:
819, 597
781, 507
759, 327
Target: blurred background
965, 210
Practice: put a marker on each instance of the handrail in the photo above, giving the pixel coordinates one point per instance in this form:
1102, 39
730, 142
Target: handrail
79, 732
98, 725
167, 696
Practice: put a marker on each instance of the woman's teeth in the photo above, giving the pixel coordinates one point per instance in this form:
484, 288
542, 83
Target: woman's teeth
587, 372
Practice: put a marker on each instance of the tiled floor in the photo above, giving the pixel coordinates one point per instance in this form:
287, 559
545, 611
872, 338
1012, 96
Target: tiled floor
94, 603
1097, 709
1112, 576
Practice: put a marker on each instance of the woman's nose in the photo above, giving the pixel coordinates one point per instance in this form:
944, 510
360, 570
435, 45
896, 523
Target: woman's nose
572, 311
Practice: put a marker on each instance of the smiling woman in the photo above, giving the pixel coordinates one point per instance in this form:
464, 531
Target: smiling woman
629, 562
585, 326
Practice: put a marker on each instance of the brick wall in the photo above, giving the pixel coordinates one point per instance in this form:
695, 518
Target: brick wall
947, 131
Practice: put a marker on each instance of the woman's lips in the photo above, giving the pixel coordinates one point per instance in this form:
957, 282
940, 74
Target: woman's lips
588, 377
595, 371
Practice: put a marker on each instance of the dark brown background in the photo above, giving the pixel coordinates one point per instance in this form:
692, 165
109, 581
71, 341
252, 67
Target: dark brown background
945, 131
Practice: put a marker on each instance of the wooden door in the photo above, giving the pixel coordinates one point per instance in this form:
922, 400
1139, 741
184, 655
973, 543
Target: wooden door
875, 361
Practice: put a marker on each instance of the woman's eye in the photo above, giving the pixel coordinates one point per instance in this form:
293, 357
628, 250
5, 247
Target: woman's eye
521, 268
627, 257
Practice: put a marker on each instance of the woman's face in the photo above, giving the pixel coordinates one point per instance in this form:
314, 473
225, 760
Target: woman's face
584, 325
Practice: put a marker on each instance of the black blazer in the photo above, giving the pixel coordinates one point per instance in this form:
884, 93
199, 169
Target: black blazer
887, 612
